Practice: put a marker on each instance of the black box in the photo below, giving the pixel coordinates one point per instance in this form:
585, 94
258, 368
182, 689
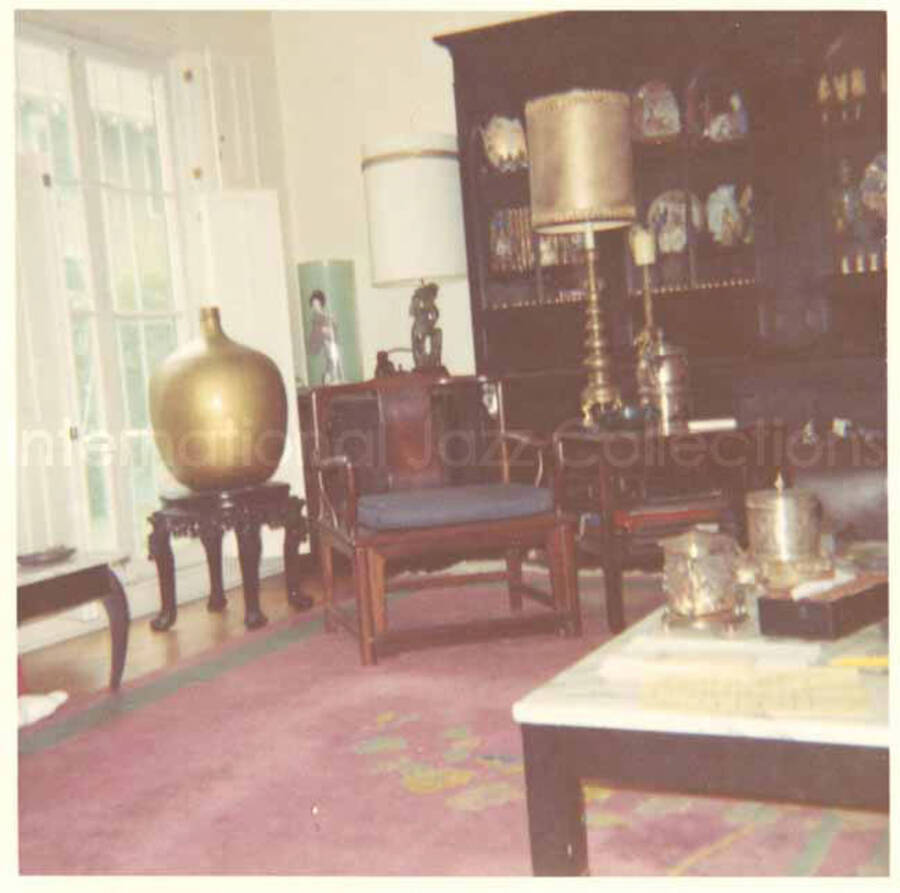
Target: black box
830, 615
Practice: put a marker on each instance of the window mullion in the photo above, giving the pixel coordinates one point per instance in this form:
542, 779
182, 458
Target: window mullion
103, 300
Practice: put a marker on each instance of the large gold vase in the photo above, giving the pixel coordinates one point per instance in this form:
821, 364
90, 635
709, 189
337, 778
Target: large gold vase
219, 411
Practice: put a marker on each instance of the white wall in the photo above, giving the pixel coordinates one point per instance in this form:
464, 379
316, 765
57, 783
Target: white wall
347, 78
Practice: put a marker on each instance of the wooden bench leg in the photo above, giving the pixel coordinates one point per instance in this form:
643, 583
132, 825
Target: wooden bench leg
376, 592
249, 553
563, 578
326, 569
570, 569
211, 537
615, 607
514, 579
160, 549
362, 586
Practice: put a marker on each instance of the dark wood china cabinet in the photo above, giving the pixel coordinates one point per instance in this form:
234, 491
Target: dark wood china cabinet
759, 147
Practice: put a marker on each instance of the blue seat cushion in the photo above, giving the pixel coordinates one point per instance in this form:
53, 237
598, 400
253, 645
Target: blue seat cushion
440, 506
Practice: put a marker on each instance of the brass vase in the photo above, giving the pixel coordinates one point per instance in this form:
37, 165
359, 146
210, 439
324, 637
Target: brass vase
219, 411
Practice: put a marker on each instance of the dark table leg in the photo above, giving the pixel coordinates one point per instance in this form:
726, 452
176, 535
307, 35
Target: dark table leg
211, 537
555, 805
116, 604
294, 533
161, 552
249, 550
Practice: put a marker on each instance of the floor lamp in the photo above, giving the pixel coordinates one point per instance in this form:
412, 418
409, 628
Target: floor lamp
580, 173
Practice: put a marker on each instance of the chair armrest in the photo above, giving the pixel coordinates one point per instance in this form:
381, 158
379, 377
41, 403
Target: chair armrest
525, 440
326, 469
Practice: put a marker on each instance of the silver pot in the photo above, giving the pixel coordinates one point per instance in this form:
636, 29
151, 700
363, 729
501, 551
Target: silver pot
783, 528
662, 379
700, 575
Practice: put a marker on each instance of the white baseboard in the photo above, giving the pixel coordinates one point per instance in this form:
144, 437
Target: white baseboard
143, 600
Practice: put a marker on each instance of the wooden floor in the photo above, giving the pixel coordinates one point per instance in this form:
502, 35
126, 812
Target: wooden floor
81, 665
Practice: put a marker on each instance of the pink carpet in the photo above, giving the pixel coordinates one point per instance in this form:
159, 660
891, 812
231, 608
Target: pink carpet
279, 754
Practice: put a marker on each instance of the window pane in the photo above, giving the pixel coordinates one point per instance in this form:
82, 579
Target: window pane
142, 474
132, 369
136, 155
112, 165
61, 139
161, 338
73, 244
152, 252
84, 350
119, 250
34, 131
151, 159
103, 87
101, 517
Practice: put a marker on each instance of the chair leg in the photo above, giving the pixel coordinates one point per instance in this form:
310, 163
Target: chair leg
514, 579
570, 569
362, 588
558, 574
615, 608
376, 592
326, 568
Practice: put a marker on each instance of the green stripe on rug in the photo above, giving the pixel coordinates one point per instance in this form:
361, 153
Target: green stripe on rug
808, 862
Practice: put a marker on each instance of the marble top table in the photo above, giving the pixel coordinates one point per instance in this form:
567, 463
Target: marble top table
727, 713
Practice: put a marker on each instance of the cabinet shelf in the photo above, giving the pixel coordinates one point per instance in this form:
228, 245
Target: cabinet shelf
688, 290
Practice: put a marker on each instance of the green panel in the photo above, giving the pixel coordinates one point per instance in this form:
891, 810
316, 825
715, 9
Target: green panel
332, 338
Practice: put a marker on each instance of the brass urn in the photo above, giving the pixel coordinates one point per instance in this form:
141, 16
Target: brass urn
219, 411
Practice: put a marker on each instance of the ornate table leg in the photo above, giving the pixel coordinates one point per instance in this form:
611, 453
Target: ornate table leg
249, 550
211, 537
160, 550
116, 605
294, 534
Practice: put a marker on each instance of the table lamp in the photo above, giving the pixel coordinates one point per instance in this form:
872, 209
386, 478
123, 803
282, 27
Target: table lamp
415, 222
580, 173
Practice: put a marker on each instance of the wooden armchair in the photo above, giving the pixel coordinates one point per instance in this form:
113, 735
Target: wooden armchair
633, 489
416, 466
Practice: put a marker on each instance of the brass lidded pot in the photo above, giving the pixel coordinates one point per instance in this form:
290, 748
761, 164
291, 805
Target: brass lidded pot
219, 411
783, 528
662, 379
700, 576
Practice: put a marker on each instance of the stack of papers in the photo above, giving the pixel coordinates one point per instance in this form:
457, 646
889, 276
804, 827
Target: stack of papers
749, 677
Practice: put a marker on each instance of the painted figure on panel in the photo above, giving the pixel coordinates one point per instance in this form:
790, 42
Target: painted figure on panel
323, 339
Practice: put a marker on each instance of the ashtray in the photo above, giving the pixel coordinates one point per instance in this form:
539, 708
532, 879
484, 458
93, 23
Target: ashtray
53, 555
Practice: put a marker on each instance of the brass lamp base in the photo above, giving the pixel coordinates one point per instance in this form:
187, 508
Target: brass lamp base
600, 394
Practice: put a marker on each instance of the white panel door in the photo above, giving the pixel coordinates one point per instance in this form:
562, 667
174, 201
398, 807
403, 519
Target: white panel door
239, 267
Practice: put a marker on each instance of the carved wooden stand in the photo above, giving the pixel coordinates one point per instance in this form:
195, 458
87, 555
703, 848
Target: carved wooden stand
207, 516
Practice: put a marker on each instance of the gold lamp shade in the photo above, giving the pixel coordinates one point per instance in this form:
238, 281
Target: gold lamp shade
581, 179
219, 411
579, 145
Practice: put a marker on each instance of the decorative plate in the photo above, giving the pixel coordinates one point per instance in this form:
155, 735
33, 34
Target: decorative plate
873, 188
667, 218
654, 114
716, 110
53, 555
729, 216
504, 144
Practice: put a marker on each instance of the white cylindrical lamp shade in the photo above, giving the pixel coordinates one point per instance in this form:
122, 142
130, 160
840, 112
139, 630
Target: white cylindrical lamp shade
580, 163
414, 209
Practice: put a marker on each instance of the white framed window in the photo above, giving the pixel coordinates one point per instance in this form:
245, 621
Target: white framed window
98, 122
